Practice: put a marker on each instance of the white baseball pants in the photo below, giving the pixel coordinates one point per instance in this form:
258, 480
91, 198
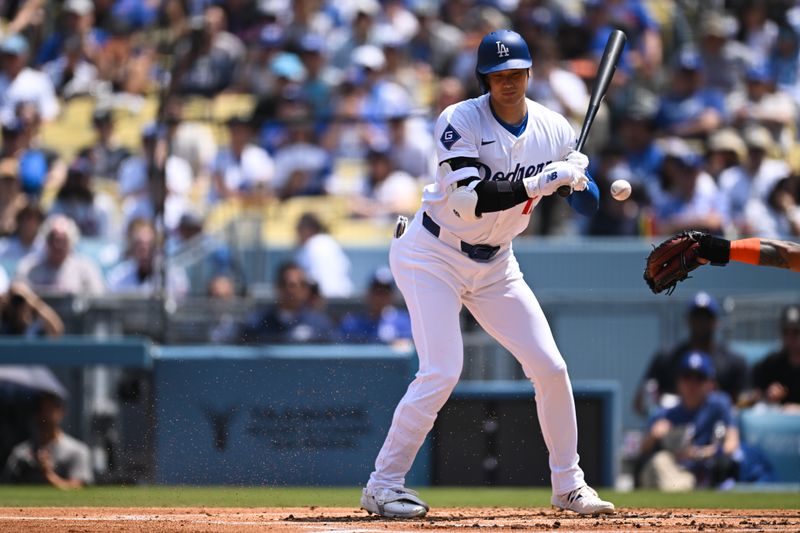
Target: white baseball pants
435, 281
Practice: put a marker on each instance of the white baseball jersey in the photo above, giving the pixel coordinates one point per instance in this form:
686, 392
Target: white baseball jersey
469, 129
437, 279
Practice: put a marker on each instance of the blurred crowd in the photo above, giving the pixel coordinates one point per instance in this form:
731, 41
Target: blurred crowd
701, 118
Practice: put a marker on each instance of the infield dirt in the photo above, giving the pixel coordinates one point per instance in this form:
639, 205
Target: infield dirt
349, 520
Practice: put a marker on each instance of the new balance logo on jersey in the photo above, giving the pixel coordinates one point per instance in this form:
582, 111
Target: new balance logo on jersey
449, 137
502, 50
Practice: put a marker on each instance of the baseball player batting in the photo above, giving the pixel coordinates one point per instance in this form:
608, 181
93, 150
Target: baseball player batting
498, 154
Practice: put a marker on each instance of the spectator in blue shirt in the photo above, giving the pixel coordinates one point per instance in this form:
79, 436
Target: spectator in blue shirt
380, 321
690, 109
695, 443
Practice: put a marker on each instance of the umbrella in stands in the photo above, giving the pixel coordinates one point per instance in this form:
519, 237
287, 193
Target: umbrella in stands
34, 378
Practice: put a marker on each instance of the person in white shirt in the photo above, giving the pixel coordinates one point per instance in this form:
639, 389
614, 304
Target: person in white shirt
753, 179
19, 83
241, 169
322, 258
58, 269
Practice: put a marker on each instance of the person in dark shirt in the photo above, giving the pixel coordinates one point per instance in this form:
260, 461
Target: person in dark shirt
776, 378
292, 318
696, 442
661, 376
380, 321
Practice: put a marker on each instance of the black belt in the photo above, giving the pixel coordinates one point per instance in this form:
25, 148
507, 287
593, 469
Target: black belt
477, 252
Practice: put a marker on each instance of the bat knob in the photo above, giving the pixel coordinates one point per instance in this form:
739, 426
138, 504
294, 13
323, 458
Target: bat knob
564, 191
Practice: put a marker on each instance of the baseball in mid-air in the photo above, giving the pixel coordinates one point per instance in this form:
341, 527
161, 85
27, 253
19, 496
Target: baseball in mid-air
620, 190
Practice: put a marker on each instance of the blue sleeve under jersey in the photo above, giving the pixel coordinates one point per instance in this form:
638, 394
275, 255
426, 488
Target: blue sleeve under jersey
586, 201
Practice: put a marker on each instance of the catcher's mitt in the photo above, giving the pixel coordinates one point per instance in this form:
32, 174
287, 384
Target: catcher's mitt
671, 261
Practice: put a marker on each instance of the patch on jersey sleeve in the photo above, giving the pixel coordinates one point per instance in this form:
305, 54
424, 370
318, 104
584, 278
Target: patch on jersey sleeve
449, 137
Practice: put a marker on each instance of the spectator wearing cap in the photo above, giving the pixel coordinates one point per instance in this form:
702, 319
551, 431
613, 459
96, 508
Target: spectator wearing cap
658, 386
20, 83
105, 155
12, 199
753, 179
724, 149
690, 198
696, 443
776, 378
778, 216
242, 169
76, 20
725, 58
139, 192
23, 241
59, 269
322, 258
762, 104
386, 191
689, 109
380, 321
71, 73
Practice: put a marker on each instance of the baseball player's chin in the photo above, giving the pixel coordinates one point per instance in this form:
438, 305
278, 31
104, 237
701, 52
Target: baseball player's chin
508, 99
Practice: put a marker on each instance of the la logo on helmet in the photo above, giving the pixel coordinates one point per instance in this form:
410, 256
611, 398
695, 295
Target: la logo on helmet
502, 50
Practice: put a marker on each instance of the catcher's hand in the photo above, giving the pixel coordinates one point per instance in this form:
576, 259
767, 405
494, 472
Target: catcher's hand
671, 261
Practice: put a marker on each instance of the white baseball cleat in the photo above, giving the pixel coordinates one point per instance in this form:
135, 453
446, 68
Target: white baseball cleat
393, 503
583, 500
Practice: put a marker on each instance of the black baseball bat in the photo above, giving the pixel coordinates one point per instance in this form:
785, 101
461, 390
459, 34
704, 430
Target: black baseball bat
605, 71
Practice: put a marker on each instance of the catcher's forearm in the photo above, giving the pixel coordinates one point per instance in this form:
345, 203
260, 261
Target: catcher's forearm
781, 254
763, 252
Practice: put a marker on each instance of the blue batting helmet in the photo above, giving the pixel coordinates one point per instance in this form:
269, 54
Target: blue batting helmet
501, 50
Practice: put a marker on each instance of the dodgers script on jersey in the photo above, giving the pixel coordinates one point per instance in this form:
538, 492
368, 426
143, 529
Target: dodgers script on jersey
469, 129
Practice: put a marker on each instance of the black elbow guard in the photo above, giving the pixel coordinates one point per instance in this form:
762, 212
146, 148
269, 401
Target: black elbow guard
499, 195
